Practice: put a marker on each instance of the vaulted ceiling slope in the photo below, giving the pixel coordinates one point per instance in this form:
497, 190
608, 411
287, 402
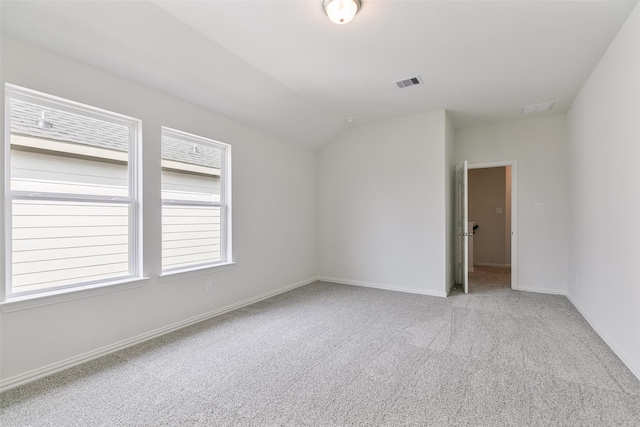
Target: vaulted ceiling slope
283, 67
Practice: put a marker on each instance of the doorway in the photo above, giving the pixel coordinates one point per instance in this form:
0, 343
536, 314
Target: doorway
506, 239
489, 204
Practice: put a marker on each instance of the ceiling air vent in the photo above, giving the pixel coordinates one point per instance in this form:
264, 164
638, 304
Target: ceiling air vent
537, 108
417, 80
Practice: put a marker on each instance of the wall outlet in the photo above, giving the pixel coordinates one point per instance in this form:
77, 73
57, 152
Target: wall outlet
208, 288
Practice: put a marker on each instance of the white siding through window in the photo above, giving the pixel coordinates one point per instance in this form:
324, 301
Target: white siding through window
190, 235
39, 172
72, 197
63, 243
182, 186
193, 201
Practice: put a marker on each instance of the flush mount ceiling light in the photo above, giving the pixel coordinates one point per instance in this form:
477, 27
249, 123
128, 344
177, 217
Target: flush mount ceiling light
43, 123
341, 11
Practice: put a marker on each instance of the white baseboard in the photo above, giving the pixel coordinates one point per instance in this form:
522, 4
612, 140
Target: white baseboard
380, 286
540, 290
491, 264
635, 370
53, 368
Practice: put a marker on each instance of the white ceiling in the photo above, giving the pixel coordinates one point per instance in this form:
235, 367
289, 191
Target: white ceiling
282, 66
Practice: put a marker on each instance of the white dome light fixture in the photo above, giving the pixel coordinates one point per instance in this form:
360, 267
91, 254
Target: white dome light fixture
341, 11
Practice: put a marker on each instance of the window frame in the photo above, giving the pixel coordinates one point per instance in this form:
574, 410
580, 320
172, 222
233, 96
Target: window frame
226, 253
132, 200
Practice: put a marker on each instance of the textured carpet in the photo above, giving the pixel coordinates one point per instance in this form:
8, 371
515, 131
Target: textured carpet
489, 277
331, 355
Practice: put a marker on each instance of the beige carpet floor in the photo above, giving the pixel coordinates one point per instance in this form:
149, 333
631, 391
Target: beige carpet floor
489, 277
335, 355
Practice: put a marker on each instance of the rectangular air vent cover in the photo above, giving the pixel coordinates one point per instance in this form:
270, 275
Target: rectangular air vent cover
537, 108
417, 80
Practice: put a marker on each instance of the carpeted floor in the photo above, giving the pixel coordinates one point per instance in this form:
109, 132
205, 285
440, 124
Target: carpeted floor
484, 278
335, 355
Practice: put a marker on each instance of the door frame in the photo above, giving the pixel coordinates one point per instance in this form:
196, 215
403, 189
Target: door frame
514, 210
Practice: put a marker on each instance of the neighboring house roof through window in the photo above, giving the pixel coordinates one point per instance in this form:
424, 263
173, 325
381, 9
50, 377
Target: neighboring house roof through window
73, 128
182, 151
67, 127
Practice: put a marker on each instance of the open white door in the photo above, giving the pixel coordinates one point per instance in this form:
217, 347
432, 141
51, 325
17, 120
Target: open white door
463, 221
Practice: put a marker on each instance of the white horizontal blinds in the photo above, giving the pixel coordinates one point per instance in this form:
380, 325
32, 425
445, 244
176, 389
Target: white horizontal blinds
193, 223
72, 208
60, 243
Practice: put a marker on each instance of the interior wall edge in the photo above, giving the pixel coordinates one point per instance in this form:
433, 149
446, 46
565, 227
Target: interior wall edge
541, 290
634, 367
381, 286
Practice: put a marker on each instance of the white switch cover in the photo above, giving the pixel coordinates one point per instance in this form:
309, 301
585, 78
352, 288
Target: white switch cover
498, 210
541, 206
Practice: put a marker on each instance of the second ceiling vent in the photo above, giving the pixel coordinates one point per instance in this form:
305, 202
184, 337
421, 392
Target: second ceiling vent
417, 80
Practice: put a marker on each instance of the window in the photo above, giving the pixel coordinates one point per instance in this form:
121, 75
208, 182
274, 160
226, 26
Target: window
71, 206
195, 202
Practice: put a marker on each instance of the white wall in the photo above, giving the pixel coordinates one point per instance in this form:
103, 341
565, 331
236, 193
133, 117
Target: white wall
450, 203
539, 147
274, 231
604, 144
381, 199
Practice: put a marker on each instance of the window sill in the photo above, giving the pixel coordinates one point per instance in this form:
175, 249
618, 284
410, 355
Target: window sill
193, 272
31, 301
